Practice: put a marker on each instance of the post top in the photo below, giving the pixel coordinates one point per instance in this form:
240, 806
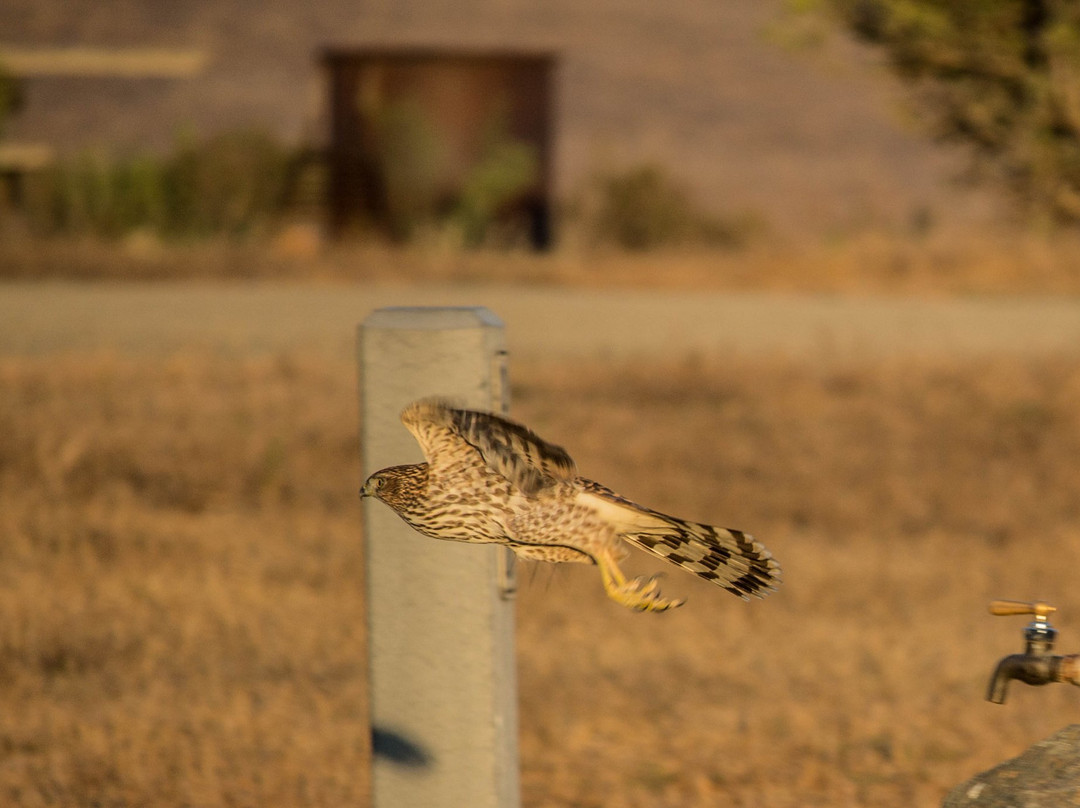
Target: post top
432, 318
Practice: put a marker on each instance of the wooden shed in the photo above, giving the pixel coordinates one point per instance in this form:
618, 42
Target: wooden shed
428, 134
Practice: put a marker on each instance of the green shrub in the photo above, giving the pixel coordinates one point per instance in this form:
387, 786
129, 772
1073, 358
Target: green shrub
642, 208
507, 169
230, 184
413, 167
421, 184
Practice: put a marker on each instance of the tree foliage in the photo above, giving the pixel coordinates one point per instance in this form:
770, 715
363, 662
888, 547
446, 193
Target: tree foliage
1002, 76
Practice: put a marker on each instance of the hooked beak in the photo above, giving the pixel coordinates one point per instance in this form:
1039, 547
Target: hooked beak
368, 488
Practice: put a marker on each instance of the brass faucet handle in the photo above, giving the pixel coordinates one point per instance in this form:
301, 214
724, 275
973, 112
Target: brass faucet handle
1039, 608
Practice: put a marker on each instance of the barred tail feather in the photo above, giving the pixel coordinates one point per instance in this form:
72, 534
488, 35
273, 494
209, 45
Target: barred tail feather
731, 559
728, 558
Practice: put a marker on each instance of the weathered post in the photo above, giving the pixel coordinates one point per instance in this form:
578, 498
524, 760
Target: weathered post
440, 614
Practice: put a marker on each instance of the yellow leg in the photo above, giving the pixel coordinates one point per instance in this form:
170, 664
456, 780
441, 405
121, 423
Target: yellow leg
641, 593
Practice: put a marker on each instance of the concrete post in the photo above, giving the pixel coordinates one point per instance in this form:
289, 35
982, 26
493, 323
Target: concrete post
442, 682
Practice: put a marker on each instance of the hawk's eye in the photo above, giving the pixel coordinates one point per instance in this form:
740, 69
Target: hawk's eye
374, 484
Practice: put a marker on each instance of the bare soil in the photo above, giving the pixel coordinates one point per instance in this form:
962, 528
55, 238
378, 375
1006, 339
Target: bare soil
552, 322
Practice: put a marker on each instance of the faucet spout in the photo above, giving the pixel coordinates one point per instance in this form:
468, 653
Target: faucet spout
1032, 669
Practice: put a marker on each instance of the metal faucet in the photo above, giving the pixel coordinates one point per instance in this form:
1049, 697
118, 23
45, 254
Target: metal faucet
1036, 666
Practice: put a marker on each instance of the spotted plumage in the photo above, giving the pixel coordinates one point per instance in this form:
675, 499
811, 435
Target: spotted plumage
490, 480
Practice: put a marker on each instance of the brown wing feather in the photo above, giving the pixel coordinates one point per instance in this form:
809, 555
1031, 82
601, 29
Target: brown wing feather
508, 448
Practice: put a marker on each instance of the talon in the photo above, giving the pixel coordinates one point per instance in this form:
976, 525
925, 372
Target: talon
641, 594
647, 586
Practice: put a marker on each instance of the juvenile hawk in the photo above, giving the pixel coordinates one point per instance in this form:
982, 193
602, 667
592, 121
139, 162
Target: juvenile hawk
489, 479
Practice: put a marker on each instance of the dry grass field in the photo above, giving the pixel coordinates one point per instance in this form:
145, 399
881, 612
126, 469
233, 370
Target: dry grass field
181, 620
1013, 260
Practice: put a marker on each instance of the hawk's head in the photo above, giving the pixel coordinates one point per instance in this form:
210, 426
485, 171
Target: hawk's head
398, 486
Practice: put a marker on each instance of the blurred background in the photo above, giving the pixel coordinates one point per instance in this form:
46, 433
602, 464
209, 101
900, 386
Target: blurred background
749, 126
807, 269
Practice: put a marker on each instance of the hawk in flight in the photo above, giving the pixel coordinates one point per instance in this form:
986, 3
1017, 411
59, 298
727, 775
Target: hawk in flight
491, 480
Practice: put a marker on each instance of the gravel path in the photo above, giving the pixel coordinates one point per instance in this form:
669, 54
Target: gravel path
159, 318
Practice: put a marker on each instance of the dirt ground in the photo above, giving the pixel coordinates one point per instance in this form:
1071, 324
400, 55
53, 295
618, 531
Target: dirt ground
557, 322
181, 567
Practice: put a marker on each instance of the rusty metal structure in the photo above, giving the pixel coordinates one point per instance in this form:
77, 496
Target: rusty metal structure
417, 132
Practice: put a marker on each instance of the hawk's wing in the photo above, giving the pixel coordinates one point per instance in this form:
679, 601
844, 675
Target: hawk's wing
508, 448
